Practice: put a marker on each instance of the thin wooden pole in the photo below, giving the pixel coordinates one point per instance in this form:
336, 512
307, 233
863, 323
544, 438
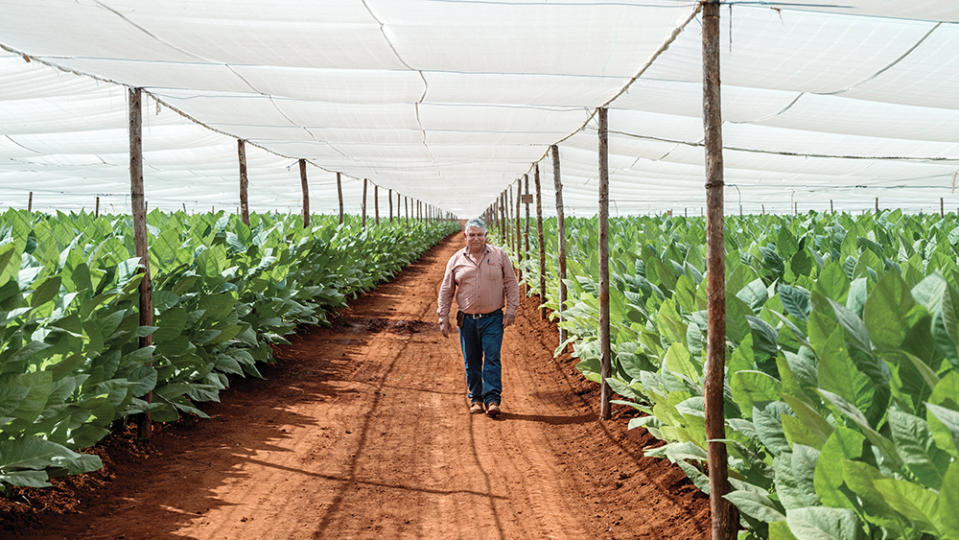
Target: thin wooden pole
244, 183
724, 518
504, 221
831, 211
518, 243
376, 203
390, 199
526, 204
184, 208
30, 202
604, 340
509, 215
561, 236
144, 423
942, 207
339, 194
397, 208
877, 205
305, 187
96, 211
363, 204
406, 206
542, 247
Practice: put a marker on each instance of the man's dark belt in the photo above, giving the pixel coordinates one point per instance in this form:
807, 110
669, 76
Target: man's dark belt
479, 315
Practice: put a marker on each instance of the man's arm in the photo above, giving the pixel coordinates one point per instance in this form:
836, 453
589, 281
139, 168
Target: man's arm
445, 299
511, 290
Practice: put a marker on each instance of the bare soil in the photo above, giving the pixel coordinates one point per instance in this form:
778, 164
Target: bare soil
361, 430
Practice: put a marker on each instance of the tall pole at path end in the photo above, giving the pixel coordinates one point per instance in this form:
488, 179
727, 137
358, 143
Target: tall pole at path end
144, 422
604, 338
542, 247
724, 515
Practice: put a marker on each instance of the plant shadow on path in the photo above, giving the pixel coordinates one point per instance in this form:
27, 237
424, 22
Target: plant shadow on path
193, 459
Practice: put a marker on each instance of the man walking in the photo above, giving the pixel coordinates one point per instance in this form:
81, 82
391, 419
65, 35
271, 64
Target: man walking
481, 275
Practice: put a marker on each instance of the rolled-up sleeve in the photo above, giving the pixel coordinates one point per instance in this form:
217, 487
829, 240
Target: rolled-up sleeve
447, 288
510, 286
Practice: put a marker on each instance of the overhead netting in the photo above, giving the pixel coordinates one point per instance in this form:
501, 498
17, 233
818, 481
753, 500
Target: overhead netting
450, 102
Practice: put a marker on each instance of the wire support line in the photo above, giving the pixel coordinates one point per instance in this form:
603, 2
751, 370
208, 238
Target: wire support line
9, 138
792, 154
426, 85
669, 41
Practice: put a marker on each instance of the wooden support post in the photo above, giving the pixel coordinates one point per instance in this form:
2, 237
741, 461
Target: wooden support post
604, 340
560, 236
877, 205
685, 212
831, 211
764, 208
724, 516
144, 422
363, 204
305, 187
339, 194
184, 208
244, 183
942, 207
509, 215
376, 203
397, 208
30, 202
518, 242
504, 220
96, 211
406, 206
542, 247
795, 208
390, 199
526, 204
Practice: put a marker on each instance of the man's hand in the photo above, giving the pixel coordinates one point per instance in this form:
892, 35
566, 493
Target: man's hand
445, 328
508, 320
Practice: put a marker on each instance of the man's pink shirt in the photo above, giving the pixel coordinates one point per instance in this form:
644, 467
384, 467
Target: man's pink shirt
480, 285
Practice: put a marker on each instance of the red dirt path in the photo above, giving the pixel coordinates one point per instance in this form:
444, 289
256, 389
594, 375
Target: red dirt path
361, 431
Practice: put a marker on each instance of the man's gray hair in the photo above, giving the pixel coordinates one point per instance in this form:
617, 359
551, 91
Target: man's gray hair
475, 223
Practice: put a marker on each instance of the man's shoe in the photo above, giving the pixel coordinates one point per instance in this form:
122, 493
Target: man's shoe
476, 407
492, 410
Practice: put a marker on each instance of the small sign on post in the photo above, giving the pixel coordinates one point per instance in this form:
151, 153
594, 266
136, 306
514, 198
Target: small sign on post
527, 198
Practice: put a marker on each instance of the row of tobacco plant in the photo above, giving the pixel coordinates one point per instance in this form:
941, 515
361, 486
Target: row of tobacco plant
842, 361
71, 368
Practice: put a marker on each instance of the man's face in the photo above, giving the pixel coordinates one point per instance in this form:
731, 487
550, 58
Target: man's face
475, 238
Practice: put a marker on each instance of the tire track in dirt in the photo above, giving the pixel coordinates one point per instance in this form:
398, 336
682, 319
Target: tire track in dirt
362, 431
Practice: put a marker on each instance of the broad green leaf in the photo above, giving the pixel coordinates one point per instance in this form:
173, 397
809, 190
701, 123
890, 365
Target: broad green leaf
842, 445
678, 360
839, 374
914, 443
821, 523
769, 427
890, 296
795, 301
753, 388
917, 504
755, 505
948, 517
944, 424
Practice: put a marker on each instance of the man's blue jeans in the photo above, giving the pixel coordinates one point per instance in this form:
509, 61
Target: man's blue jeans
478, 338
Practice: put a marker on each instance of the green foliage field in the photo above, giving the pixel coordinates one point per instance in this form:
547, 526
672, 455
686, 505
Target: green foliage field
70, 363
842, 378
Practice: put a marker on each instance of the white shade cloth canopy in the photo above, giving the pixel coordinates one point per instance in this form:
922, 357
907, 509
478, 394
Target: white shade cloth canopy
452, 101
